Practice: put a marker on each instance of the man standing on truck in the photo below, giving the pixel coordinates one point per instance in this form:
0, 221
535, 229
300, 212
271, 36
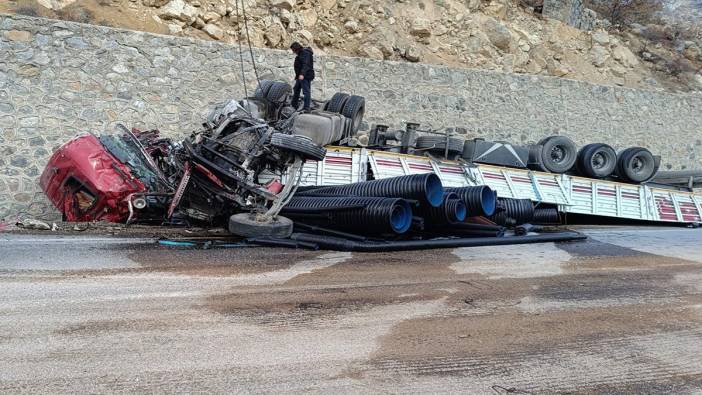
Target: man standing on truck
304, 75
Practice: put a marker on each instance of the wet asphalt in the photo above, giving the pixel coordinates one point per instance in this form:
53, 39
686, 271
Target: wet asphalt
618, 313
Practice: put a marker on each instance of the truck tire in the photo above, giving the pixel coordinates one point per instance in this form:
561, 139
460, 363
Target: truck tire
262, 89
300, 145
336, 103
535, 159
558, 154
636, 164
245, 225
597, 161
278, 92
354, 109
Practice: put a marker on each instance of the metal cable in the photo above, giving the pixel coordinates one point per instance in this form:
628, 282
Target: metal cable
248, 40
241, 54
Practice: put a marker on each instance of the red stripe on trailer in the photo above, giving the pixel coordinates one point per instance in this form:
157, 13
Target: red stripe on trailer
419, 167
494, 177
390, 164
451, 170
548, 183
337, 161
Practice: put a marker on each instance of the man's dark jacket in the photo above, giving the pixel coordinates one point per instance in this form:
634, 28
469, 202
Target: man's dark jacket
304, 64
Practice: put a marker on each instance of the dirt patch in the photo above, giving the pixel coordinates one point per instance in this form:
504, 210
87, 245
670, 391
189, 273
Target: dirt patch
640, 262
378, 279
331, 300
574, 307
510, 331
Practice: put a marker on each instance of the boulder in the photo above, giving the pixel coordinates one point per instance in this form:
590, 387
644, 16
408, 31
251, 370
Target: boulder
369, 51
600, 55
214, 31
274, 34
351, 26
179, 10
624, 56
413, 54
211, 16
497, 33
421, 27
601, 37
284, 4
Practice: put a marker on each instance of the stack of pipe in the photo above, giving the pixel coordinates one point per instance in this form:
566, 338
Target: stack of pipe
424, 188
417, 204
512, 212
452, 210
379, 214
479, 200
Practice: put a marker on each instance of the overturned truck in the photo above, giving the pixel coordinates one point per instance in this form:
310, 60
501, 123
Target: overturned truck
257, 158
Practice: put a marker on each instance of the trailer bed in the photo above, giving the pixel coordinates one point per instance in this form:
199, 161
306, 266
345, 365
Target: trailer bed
571, 194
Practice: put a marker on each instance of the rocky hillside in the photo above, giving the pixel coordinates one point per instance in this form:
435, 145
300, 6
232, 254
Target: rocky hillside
504, 35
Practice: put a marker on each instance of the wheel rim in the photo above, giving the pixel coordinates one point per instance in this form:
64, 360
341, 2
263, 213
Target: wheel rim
598, 161
557, 154
637, 165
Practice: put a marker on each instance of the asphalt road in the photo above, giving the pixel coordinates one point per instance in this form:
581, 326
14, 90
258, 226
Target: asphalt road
621, 312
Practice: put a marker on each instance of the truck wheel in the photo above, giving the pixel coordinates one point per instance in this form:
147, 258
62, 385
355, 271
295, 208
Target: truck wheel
354, 109
278, 92
636, 164
558, 154
245, 225
262, 89
535, 159
300, 145
336, 103
597, 160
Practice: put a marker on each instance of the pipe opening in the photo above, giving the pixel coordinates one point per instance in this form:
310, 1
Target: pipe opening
434, 190
488, 201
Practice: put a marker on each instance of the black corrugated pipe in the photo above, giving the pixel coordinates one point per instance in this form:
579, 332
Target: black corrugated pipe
513, 211
425, 188
334, 243
546, 216
378, 214
452, 210
480, 200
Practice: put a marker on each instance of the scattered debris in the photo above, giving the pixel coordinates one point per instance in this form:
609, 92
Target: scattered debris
35, 224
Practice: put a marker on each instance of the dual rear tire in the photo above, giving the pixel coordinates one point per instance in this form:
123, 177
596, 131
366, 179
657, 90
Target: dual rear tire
351, 106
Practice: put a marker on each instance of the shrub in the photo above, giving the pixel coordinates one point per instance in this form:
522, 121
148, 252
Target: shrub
626, 12
27, 10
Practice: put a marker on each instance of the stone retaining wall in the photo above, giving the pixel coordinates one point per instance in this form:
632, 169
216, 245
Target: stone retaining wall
60, 78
